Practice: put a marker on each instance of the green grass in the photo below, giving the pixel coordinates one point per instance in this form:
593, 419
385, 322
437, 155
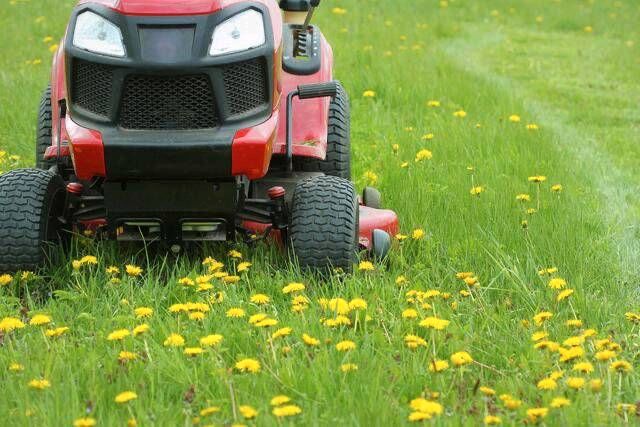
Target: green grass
492, 59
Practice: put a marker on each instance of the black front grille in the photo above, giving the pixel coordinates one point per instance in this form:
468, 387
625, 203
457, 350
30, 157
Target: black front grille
91, 85
245, 85
168, 102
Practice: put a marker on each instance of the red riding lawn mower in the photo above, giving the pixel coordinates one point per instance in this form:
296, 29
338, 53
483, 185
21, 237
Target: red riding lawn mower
193, 120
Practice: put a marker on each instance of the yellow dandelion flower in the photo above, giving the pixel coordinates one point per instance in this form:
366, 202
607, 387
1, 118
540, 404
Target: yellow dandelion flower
523, 198
417, 234
282, 332
140, 329
193, 351
512, 404
368, 94
247, 412
423, 154
460, 114
410, 313
231, 279
346, 345
620, 366
571, 353
348, 367
286, 411
476, 191
235, 254
40, 319
142, 312
56, 332
557, 283
536, 414
414, 341
584, 367
560, 402
9, 324
537, 178
487, 391
556, 188
358, 304
126, 396
547, 384
235, 312
434, 323
425, 406
248, 365
401, 280
84, 422
532, 126
118, 335
461, 358
132, 270
5, 279
537, 336
595, 385
433, 103
310, 341
126, 356
575, 383
293, 288
211, 340
574, 341
174, 340
366, 266
541, 317
16, 367
209, 411
197, 315
574, 323
419, 416
39, 384
514, 118
260, 299
492, 420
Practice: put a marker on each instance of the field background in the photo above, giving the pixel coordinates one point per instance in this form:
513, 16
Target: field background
571, 67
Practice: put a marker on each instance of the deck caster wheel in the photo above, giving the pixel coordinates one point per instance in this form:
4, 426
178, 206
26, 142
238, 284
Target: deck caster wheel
371, 198
380, 244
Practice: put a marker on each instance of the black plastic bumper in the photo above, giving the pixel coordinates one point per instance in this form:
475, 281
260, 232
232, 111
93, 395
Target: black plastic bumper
147, 139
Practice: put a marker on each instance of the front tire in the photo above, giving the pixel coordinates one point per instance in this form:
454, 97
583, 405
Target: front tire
324, 223
338, 159
31, 206
44, 132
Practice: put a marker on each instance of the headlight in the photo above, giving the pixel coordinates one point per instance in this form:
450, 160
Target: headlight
240, 32
96, 34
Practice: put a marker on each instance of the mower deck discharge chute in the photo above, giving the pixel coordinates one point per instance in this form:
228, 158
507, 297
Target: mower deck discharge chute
190, 121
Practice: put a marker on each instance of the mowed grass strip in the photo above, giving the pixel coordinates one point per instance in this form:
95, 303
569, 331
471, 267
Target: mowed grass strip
452, 78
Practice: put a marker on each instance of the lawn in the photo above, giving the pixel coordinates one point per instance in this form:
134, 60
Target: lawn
512, 293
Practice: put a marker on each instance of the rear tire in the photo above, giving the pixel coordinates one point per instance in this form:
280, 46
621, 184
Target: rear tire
31, 203
324, 223
338, 159
44, 132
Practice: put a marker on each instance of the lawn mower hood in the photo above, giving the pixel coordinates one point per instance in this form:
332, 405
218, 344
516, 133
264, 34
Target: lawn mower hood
169, 89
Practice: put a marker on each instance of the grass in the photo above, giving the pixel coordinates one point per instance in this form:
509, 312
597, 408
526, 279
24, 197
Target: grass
493, 59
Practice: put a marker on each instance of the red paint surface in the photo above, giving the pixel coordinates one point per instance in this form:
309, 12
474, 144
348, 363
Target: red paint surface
87, 150
251, 149
310, 116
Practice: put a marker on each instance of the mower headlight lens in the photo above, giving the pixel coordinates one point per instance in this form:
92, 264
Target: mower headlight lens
96, 34
240, 32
